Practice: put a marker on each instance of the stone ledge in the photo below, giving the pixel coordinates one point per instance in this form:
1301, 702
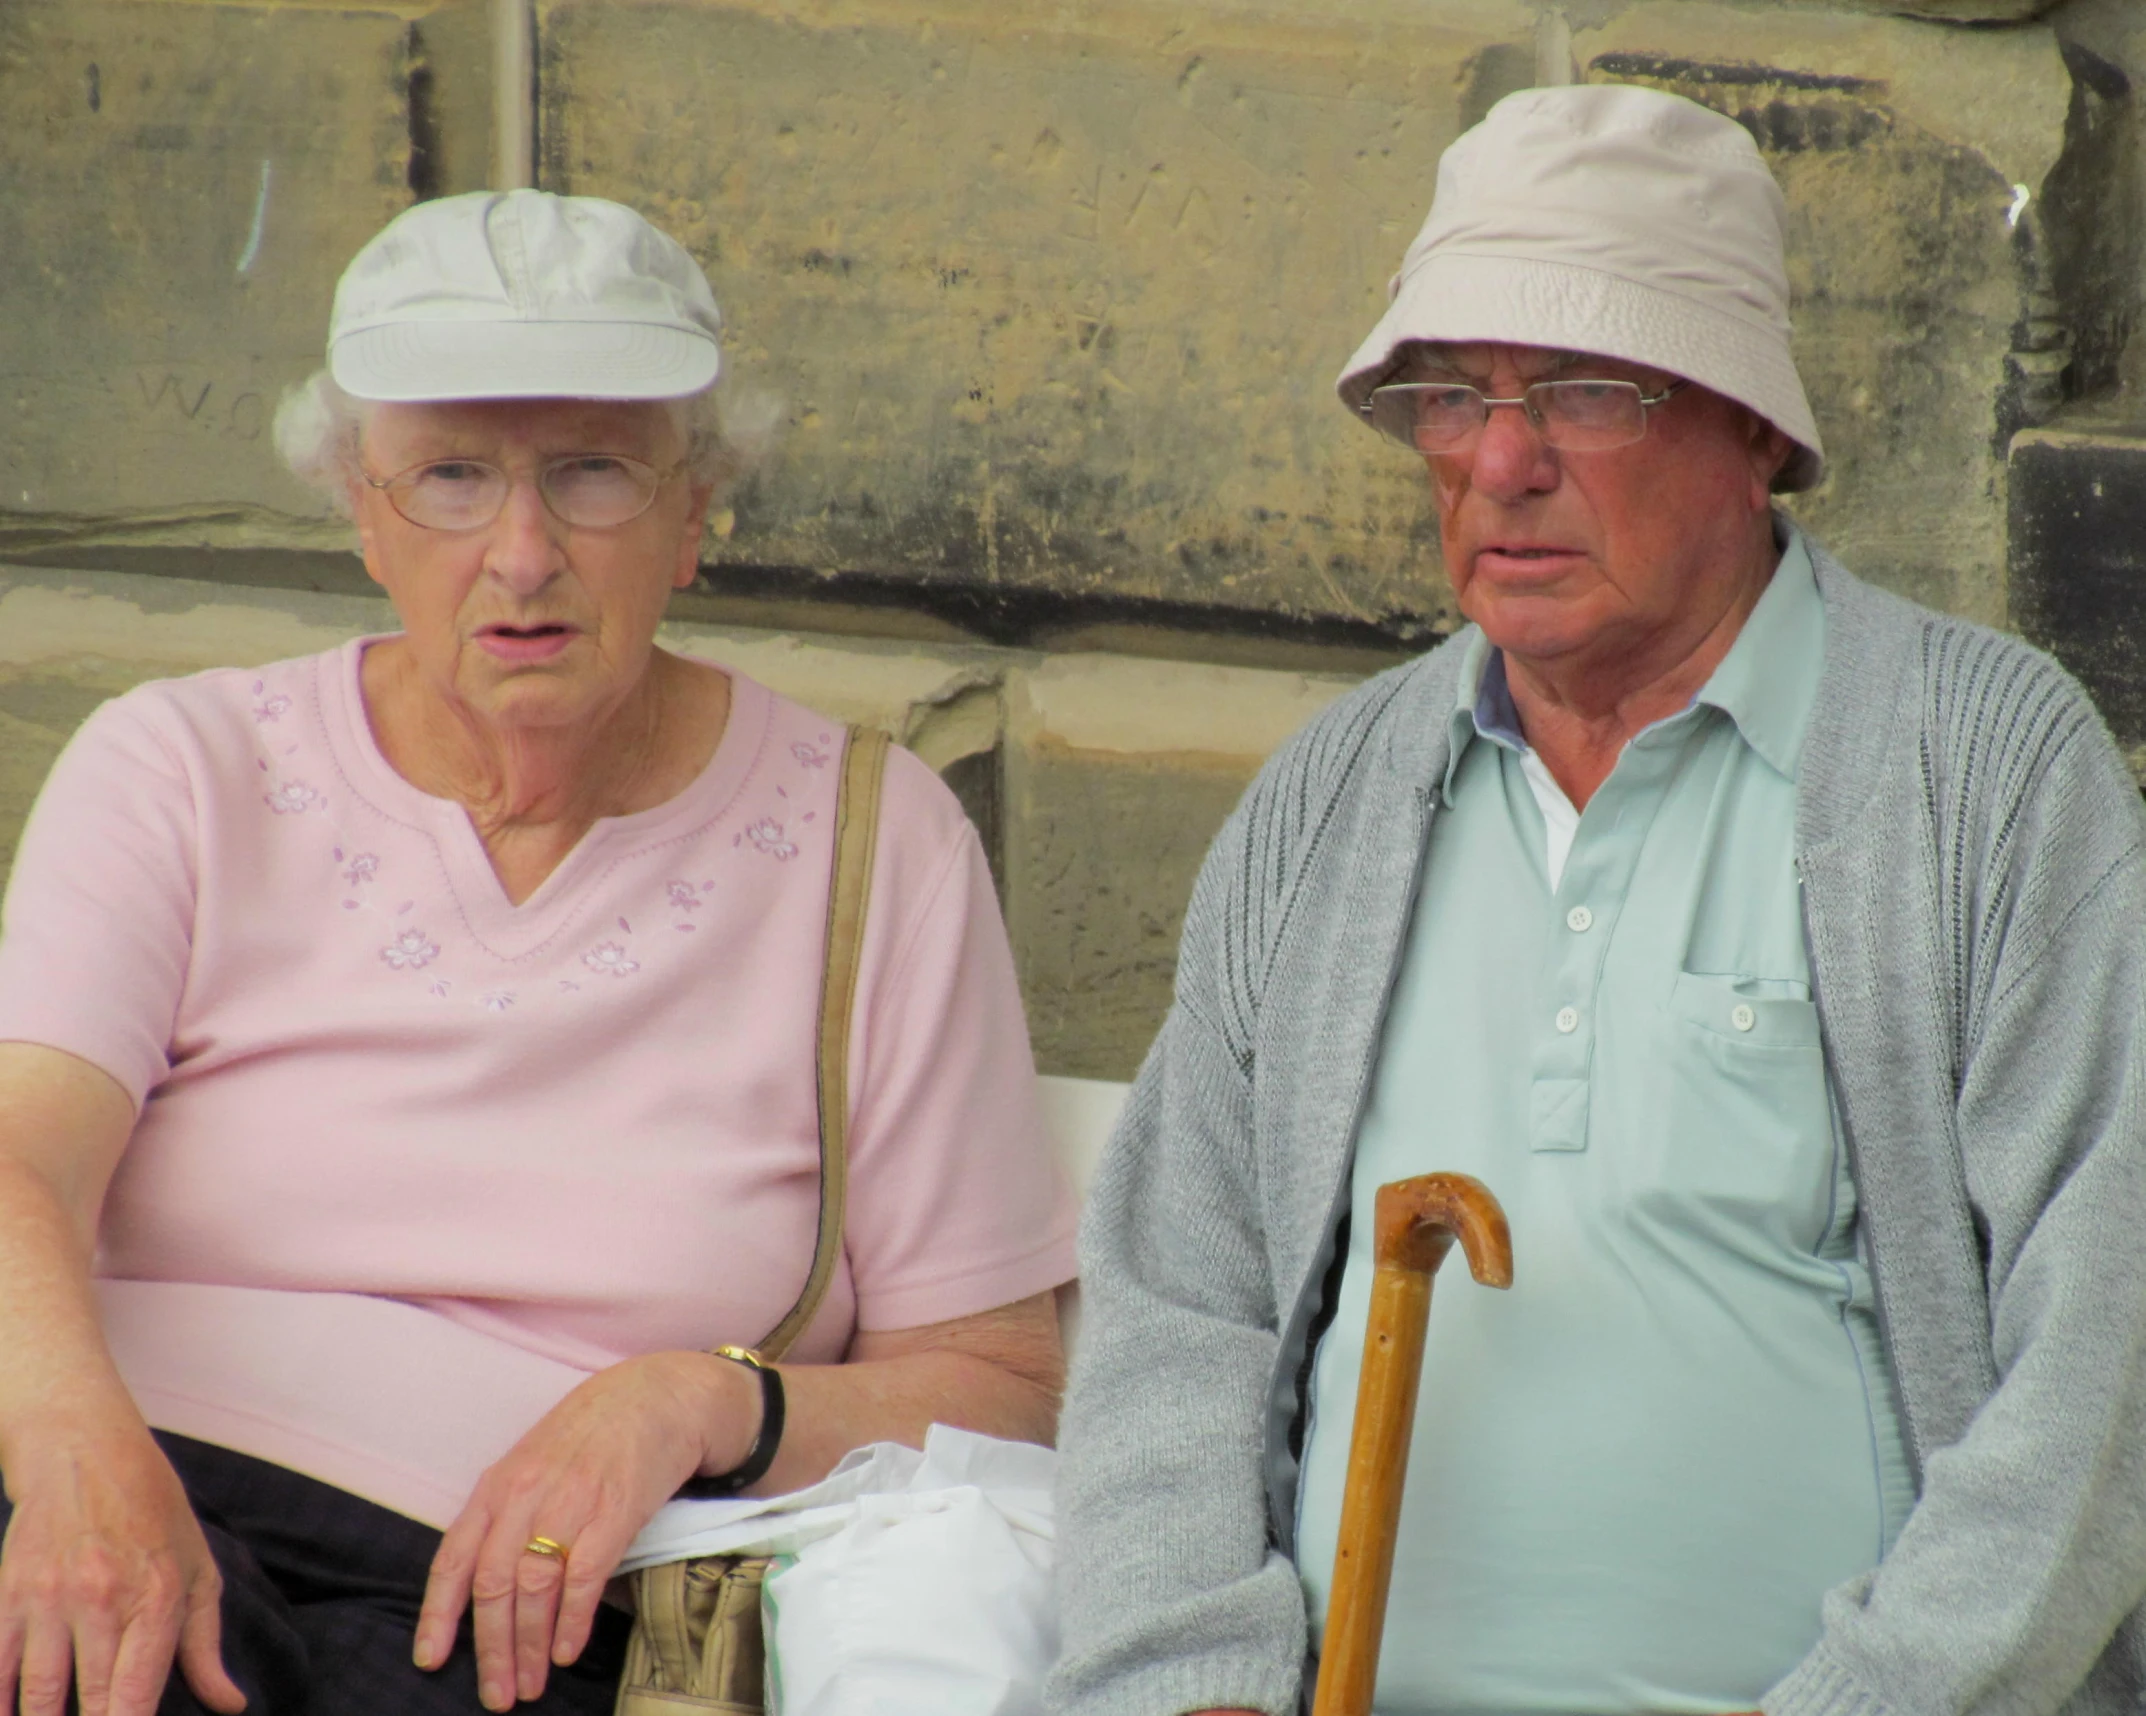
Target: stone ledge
1097, 780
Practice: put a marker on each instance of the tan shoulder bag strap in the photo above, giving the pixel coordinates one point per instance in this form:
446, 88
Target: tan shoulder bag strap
864, 762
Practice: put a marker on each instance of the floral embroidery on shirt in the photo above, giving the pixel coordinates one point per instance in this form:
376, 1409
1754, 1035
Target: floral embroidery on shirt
412, 950
269, 706
684, 896
292, 797
440, 985
767, 836
811, 755
610, 958
363, 867
499, 1000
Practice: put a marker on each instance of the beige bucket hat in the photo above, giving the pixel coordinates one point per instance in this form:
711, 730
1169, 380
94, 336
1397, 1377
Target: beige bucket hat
1611, 219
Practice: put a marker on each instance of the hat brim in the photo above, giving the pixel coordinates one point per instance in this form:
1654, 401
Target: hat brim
1527, 301
431, 362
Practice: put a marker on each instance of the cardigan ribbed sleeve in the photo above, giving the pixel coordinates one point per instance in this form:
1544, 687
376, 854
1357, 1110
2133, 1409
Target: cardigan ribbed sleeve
1171, 1597
1173, 1594
1980, 943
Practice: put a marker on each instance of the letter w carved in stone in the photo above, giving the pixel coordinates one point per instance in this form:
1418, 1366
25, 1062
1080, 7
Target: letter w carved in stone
173, 388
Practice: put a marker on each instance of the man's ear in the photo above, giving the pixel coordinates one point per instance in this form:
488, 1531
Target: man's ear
1769, 451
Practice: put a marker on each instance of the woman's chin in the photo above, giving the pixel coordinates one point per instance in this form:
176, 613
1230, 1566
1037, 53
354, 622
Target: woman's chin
536, 698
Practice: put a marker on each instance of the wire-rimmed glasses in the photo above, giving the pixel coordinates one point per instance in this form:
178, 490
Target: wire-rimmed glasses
591, 491
1575, 416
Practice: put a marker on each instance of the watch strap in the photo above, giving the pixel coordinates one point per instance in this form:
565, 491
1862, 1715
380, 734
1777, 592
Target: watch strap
761, 1455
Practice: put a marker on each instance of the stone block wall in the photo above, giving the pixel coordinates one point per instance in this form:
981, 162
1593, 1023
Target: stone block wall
1049, 300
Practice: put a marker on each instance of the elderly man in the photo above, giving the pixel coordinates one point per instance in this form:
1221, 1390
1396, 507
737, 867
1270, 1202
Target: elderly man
1769, 945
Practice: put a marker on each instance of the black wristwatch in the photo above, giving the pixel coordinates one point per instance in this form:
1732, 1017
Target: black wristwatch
762, 1453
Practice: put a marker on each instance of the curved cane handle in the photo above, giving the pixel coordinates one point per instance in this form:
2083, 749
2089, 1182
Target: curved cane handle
1415, 1223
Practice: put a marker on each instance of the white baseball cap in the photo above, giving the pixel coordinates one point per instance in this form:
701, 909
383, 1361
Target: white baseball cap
1611, 219
522, 295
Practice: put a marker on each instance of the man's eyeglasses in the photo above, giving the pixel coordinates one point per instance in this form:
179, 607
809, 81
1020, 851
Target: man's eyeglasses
1572, 416
591, 491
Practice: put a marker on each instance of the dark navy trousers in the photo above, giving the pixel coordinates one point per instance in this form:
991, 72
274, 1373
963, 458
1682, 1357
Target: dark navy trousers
321, 1592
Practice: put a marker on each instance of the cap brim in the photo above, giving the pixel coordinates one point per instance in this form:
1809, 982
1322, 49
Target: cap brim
1538, 303
428, 362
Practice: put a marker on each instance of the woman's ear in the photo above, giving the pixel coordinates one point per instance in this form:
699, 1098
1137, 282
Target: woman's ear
698, 499
361, 515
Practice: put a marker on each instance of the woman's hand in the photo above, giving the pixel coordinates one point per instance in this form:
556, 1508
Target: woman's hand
105, 1577
599, 1464
590, 1474
104, 1574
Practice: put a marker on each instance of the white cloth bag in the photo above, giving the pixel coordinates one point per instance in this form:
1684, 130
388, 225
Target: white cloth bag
905, 1584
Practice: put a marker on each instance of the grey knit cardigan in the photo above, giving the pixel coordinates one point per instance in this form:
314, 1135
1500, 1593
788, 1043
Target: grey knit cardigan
1973, 859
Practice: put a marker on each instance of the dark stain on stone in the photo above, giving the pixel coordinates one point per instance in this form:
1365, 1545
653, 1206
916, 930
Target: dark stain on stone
2078, 562
1824, 127
818, 261
95, 80
1786, 112
2103, 77
557, 103
1030, 616
2094, 266
1662, 68
423, 173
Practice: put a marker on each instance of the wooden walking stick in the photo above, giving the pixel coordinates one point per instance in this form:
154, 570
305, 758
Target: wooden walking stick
1415, 1224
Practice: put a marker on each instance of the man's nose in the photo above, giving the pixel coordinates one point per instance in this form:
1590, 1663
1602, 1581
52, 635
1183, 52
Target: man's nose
527, 547
1511, 457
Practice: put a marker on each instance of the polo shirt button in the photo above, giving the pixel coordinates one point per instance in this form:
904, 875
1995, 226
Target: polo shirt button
1742, 1017
1568, 1019
1579, 920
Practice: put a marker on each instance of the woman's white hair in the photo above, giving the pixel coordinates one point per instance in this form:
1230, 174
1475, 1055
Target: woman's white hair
727, 430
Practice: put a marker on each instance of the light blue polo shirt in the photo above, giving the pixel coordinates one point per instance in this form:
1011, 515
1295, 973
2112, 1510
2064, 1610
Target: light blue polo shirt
1636, 1472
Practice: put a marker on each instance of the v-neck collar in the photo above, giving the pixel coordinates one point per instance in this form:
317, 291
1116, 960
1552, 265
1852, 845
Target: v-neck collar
509, 930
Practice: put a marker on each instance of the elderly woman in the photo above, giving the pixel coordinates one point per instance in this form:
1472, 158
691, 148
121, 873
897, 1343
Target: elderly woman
407, 1058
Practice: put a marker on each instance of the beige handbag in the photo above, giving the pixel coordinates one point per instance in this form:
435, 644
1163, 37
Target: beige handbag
696, 1644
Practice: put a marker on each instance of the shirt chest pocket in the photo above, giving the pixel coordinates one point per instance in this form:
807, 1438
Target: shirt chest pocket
1740, 1136
1746, 1012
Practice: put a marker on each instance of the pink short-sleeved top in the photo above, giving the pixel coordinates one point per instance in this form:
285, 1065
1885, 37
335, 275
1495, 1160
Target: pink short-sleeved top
413, 1161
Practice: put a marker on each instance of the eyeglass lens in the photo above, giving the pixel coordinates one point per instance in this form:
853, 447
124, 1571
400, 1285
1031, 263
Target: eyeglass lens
591, 490
1575, 416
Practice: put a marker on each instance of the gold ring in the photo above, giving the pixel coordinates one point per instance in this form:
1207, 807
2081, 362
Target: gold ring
545, 1546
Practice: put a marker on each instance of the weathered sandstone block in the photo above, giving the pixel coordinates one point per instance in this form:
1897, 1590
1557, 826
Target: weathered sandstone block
1913, 159
185, 181
1118, 774
1053, 294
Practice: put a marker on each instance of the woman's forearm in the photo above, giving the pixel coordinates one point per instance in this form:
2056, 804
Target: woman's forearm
54, 1366
834, 1408
1000, 1373
62, 1126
